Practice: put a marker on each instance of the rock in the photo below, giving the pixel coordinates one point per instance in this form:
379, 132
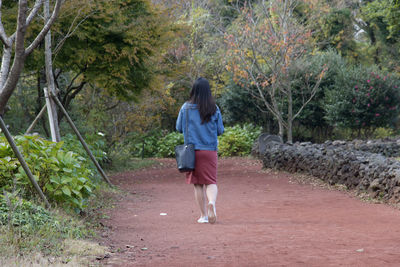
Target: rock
262, 142
375, 185
338, 142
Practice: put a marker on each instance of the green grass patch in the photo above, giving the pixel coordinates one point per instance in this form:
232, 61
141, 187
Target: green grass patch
31, 235
27, 228
122, 162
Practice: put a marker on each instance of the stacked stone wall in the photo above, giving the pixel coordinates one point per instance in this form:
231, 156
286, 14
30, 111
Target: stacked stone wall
350, 163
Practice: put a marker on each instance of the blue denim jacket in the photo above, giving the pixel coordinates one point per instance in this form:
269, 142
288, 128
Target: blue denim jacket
203, 136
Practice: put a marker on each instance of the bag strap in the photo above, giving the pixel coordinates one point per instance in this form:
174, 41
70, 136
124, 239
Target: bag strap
187, 122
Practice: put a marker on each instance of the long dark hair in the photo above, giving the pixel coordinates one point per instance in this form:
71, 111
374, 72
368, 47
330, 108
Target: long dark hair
201, 95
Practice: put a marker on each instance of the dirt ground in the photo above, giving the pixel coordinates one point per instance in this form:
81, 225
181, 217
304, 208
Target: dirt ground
264, 219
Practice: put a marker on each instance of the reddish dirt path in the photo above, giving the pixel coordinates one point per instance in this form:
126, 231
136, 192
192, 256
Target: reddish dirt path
263, 220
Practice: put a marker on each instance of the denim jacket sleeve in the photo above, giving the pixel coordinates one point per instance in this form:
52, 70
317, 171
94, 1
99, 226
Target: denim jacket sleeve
179, 121
220, 125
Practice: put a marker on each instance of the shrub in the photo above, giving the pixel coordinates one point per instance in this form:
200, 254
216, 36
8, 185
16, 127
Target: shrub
363, 100
238, 140
96, 142
135, 143
63, 175
166, 145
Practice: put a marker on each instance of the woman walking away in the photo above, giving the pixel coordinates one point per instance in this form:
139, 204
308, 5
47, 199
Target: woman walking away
204, 125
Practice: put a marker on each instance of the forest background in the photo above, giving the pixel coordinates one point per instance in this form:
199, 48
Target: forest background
124, 68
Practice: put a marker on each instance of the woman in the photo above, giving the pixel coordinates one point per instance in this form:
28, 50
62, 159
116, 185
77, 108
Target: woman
205, 124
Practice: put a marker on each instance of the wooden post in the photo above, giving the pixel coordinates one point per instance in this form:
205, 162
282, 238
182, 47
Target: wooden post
52, 117
85, 146
22, 161
51, 106
36, 120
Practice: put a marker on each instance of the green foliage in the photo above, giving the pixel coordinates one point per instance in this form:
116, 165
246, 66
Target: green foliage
363, 99
20, 212
26, 227
166, 145
311, 123
381, 28
63, 175
238, 140
96, 142
114, 46
238, 106
135, 142
334, 30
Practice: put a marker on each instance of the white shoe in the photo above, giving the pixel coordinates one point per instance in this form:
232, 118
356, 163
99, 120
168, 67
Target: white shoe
212, 215
203, 220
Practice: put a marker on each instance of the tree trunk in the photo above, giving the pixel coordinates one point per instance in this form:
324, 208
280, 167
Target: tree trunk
281, 128
290, 118
10, 76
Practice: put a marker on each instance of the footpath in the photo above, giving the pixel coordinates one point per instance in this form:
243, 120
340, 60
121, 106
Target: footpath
265, 218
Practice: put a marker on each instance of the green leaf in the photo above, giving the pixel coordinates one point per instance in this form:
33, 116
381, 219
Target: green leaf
66, 180
88, 188
82, 179
67, 170
49, 187
66, 190
55, 180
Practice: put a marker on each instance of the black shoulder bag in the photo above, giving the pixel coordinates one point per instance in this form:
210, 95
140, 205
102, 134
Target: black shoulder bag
185, 155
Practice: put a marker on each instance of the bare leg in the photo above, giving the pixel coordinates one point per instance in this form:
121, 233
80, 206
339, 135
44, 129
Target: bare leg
200, 199
212, 192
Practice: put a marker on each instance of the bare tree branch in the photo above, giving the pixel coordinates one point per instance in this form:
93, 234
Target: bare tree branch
45, 29
70, 32
9, 77
18, 64
3, 35
34, 11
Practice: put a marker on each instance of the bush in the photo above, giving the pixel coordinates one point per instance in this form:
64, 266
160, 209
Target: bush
238, 140
363, 99
96, 142
64, 176
134, 144
166, 145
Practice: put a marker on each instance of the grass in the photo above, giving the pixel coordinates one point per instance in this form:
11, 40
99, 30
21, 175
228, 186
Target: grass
33, 244
122, 163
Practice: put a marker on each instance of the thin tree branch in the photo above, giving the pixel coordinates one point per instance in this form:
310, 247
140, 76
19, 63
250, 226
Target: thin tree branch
45, 29
3, 35
70, 32
34, 11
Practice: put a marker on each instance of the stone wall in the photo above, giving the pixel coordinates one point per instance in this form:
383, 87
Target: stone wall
339, 162
386, 147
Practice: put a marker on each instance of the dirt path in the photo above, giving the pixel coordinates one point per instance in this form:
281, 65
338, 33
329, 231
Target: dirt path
263, 220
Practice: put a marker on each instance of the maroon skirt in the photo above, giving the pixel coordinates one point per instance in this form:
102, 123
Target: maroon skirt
205, 170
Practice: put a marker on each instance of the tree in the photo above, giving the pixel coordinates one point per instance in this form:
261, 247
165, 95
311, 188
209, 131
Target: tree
266, 46
113, 49
379, 23
10, 73
238, 107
